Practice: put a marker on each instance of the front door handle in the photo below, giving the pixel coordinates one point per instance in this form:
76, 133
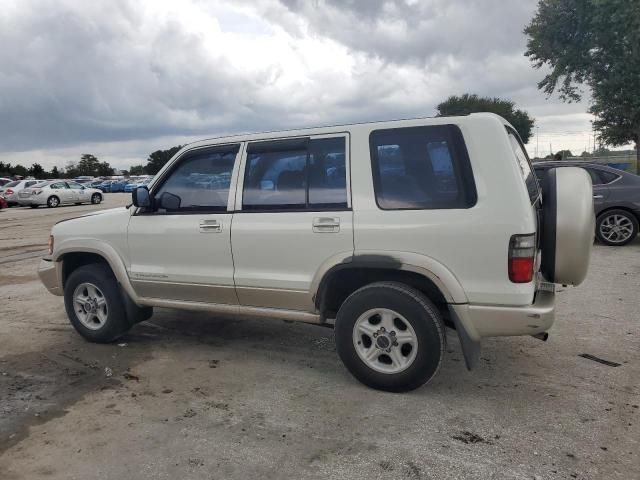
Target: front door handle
598, 196
326, 225
210, 226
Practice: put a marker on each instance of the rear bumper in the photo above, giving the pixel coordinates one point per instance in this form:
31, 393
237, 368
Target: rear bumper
496, 321
49, 274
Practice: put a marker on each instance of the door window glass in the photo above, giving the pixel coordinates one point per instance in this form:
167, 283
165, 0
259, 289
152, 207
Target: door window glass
296, 174
200, 182
421, 168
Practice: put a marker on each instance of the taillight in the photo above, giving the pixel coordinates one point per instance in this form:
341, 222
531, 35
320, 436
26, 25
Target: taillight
36, 192
8, 191
522, 253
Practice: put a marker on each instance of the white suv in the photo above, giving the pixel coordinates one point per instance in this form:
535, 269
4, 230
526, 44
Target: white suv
390, 231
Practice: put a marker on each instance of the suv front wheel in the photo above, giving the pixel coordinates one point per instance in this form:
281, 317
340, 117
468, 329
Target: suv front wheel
390, 336
94, 304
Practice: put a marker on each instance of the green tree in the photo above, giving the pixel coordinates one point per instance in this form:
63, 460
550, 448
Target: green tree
136, 170
104, 169
88, 165
592, 43
468, 103
20, 171
54, 172
70, 170
37, 171
158, 158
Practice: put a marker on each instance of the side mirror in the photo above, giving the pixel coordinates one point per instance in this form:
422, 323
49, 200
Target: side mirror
140, 197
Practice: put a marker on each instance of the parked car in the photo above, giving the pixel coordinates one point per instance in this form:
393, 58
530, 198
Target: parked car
616, 199
58, 192
4, 181
118, 186
131, 186
387, 231
10, 190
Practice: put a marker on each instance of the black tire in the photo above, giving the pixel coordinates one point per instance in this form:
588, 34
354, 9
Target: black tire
34, 206
53, 201
102, 277
632, 222
96, 198
417, 309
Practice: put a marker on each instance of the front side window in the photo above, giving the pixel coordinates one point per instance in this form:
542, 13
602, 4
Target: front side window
296, 174
421, 168
200, 182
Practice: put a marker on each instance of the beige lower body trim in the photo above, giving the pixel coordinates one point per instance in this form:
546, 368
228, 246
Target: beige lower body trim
188, 292
275, 298
497, 321
235, 310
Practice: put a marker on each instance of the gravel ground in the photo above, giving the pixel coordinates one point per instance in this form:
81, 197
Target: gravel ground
190, 396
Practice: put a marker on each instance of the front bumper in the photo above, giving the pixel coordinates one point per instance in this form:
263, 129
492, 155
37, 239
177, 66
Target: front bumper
496, 321
50, 276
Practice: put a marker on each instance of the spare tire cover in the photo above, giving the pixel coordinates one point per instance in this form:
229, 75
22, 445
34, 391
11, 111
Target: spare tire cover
568, 225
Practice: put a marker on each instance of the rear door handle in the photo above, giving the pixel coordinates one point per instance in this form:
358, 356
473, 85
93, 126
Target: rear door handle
598, 196
326, 225
210, 226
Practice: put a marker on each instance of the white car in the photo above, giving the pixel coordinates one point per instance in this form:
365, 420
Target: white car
389, 232
11, 190
58, 192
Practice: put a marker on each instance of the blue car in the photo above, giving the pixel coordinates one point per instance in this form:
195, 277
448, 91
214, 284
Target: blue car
105, 186
131, 186
118, 186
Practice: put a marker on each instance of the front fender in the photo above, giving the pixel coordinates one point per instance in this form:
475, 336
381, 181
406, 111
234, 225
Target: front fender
101, 248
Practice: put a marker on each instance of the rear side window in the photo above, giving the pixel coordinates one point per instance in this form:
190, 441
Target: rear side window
11, 184
421, 168
296, 174
525, 165
601, 177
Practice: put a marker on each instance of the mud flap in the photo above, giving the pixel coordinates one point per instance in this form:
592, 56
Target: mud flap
470, 347
135, 313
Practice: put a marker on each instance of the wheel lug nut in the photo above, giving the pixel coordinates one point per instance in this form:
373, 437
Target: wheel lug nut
393, 332
395, 344
375, 334
382, 329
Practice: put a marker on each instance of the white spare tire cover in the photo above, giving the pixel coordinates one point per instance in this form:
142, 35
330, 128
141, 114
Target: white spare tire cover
568, 225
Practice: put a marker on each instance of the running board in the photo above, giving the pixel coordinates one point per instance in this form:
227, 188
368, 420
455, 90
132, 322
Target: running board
235, 310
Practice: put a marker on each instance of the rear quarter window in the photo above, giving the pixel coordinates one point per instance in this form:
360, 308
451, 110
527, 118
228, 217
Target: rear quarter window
421, 168
524, 165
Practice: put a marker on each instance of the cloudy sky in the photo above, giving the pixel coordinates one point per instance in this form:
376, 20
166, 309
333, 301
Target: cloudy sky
121, 78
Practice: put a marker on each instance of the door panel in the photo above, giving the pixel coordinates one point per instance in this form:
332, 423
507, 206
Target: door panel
295, 216
172, 257
182, 249
277, 255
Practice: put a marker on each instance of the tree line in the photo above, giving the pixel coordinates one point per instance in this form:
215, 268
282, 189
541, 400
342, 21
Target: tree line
89, 165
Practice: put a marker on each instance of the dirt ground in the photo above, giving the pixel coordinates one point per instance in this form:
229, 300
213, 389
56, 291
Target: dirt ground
191, 396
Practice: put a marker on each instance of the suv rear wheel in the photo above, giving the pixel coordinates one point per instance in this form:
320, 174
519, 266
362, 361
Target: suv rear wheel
94, 304
616, 227
390, 336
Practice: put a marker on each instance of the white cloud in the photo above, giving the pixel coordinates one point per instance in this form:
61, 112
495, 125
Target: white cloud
121, 78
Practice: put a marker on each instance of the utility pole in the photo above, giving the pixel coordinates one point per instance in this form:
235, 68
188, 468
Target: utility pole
537, 140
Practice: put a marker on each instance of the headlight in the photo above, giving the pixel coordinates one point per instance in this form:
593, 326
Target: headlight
50, 244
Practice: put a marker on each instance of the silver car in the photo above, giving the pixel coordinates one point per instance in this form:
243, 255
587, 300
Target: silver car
10, 190
57, 192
